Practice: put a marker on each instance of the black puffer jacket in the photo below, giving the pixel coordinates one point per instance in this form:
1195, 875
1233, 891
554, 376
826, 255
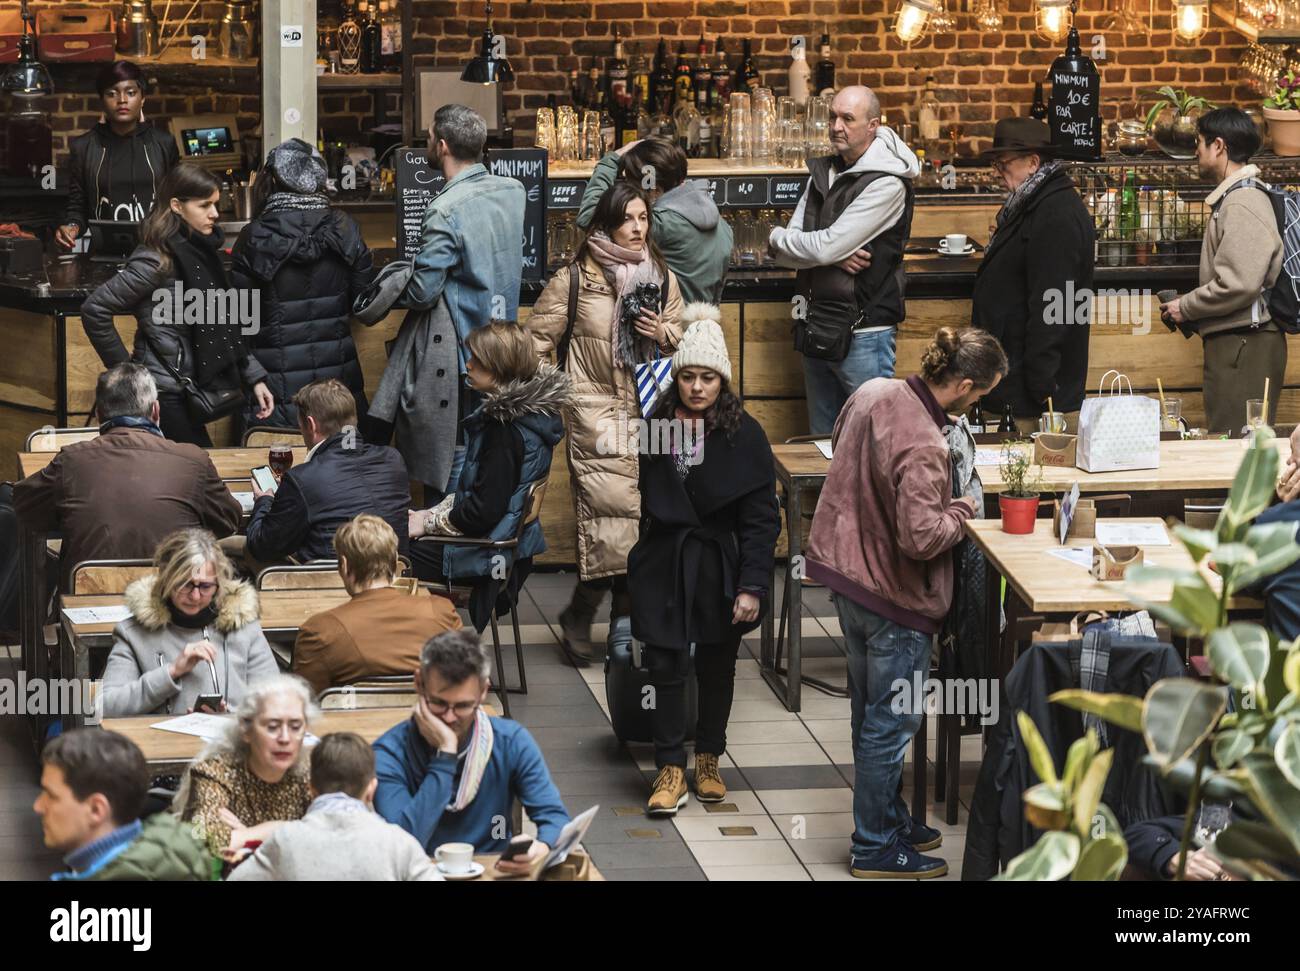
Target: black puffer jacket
309, 265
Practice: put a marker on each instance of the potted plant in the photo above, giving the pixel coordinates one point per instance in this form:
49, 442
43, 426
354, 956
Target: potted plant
1282, 111
1172, 121
1019, 501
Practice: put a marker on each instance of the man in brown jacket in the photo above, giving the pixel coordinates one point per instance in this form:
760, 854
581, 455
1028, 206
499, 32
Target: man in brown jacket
116, 496
885, 523
381, 629
1241, 258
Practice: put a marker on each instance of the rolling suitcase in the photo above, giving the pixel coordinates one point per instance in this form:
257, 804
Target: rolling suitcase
628, 690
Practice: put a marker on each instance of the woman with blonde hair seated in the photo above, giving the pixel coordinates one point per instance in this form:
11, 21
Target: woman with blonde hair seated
194, 630
245, 785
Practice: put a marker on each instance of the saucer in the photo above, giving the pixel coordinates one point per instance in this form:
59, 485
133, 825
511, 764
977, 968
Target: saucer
475, 870
944, 251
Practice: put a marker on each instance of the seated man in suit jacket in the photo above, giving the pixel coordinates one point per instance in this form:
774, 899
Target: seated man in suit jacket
381, 629
342, 477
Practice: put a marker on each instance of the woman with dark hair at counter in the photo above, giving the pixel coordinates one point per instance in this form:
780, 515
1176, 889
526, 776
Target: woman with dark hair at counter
117, 166
193, 346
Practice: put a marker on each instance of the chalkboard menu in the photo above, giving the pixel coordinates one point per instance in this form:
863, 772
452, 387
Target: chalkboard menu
565, 194
786, 192
747, 192
1074, 107
417, 185
528, 165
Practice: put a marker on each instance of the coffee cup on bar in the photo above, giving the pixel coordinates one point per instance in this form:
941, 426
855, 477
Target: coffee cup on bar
1052, 422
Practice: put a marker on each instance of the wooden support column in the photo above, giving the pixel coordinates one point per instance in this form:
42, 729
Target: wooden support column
288, 71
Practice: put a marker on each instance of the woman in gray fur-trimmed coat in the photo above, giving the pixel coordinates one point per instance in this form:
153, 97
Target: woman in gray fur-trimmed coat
194, 630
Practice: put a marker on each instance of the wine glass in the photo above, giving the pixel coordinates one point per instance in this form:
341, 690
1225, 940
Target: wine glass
987, 17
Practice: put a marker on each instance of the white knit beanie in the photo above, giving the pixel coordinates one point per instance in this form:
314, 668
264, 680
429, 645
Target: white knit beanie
703, 344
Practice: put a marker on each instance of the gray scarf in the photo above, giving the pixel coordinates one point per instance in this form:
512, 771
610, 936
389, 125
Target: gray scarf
1018, 196
279, 201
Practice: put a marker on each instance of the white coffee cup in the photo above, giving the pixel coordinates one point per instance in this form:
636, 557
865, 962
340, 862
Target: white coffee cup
455, 857
955, 242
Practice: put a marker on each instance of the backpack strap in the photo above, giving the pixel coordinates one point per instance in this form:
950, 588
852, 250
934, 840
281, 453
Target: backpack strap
1247, 183
562, 352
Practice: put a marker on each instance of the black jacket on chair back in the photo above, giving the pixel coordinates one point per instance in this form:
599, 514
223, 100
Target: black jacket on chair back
344, 478
309, 266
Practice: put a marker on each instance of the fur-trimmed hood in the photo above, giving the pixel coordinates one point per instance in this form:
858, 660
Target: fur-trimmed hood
237, 604
546, 393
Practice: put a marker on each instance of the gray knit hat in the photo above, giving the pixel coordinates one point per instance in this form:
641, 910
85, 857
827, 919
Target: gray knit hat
703, 344
298, 167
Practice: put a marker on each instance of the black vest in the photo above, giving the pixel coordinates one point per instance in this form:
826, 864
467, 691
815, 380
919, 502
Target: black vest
878, 290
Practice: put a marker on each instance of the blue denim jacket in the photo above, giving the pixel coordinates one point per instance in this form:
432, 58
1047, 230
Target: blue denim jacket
471, 249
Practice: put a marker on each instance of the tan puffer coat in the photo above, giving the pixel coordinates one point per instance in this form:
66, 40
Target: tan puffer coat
607, 506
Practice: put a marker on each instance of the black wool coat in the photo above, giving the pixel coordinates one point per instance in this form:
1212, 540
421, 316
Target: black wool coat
1036, 263
703, 540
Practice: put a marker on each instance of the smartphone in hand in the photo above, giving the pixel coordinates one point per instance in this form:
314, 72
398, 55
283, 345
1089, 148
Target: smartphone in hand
264, 477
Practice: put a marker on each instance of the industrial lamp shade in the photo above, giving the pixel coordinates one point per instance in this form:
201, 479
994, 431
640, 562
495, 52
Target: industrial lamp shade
491, 65
26, 75
913, 15
1191, 20
1054, 19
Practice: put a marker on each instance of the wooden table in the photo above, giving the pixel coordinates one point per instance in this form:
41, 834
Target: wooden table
283, 612
490, 874
162, 748
231, 463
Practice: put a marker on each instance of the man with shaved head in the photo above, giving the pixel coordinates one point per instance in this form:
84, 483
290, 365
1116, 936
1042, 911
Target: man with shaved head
846, 237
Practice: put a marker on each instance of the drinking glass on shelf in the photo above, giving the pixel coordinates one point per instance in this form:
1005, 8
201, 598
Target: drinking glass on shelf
763, 122
566, 134
545, 130
591, 149
1254, 416
817, 128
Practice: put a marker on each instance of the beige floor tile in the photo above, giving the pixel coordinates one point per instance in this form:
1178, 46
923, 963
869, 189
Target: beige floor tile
816, 706
830, 871
841, 753
754, 733
747, 804
791, 753
766, 874
698, 829
747, 669
742, 852
825, 849
830, 669
787, 802
753, 689
812, 826
760, 710
830, 729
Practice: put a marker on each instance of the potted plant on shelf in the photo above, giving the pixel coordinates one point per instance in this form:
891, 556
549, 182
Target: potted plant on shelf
1172, 121
1282, 111
1019, 501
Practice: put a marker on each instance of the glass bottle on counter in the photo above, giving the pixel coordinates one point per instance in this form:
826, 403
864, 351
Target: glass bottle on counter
595, 91
702, 76
975, 419
798, 73
927, 115
825, 79
1007, 426
682, 77
350, 42
658, 124
616, 71
720, 82
626, 122
372, 41
661, 82
608, 132
327, 38
747, 77
640, 74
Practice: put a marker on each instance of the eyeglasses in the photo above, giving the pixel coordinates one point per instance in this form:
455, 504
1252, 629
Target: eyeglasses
198, 586
1004, 163
461, 708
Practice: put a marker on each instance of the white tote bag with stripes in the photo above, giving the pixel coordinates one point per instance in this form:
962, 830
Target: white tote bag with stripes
652, 379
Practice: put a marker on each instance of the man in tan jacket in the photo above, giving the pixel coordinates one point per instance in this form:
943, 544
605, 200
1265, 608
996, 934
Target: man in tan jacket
381, 629
1241, 258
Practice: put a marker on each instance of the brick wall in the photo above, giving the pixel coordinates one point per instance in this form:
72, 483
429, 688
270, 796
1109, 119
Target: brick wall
985, 76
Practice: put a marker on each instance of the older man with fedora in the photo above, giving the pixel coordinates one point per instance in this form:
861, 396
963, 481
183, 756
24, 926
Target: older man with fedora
1033, 289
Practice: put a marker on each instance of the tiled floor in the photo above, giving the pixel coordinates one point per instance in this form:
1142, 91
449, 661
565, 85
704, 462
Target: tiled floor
787, 815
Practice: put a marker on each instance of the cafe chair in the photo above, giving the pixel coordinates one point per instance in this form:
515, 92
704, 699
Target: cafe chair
53, 439
262, 436
318, 575
1118, 505
1202, 513
368, 694
460, 593
108, 576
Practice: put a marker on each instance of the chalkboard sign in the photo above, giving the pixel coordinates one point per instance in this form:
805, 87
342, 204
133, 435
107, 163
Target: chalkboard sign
417, 185
528, 165
786, 192
1074, 108
747, 192
565, 195
717, 190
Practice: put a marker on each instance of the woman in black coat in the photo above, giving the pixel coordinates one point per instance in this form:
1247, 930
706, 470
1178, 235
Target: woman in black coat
197, 340
699, 573
309, 262
1033, 287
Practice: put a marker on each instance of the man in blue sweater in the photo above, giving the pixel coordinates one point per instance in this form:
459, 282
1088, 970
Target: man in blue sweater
448, 774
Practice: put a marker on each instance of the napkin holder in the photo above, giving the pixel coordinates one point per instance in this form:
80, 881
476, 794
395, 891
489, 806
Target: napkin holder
1112, 562
1084, 523
1055, 451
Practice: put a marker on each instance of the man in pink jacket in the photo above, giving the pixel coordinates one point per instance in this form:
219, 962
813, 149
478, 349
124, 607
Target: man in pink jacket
885, 523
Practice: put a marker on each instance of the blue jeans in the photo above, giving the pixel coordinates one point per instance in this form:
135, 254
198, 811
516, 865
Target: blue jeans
879, 653
829, 383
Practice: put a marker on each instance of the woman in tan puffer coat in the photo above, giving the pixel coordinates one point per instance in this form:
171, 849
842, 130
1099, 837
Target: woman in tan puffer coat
616, 258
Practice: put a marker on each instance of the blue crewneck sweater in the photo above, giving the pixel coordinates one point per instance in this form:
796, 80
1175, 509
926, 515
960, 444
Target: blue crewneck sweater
85, 862
417, 783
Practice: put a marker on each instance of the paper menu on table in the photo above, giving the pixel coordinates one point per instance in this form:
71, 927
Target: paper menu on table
98, 615
990, 456
570, 837
1078, 555
824, 446
196, 723
1124, 533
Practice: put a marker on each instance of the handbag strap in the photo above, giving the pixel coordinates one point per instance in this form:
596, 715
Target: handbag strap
186, 383
562, 352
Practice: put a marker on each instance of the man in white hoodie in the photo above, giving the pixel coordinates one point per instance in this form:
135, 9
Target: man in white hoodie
846, 237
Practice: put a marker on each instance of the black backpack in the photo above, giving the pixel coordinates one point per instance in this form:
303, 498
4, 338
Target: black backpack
1284, 297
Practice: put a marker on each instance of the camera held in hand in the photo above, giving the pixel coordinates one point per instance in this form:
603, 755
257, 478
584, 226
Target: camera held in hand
644, 297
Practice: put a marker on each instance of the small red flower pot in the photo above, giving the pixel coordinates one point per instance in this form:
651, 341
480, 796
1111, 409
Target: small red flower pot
1018, 515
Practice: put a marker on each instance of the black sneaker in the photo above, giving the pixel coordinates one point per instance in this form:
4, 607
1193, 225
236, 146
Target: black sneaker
923, 838
575, 637
899, 862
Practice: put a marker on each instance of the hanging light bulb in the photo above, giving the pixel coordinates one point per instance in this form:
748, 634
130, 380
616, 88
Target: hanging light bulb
1053, 19
1190, 19
942, 22
912, 17
988, 18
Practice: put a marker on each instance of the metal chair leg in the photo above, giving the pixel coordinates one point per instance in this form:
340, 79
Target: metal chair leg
502, 691
519, 650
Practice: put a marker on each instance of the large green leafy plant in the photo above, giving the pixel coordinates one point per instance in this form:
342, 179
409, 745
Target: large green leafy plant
1250, 755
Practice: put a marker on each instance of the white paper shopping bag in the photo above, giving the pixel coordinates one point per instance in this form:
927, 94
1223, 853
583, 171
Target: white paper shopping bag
1118, 430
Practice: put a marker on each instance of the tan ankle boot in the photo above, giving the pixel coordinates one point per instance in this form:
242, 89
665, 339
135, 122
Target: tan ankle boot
669, 793
709, 786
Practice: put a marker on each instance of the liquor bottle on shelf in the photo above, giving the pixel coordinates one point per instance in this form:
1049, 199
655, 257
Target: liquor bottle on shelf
608, 132
927, 116
372, 41
720, 82
682, 77
975, 419
686, 119
654, 120
327, 38
350, 42
706, 144
1007, 426
575, 90
616, 70
626, 120
825, 76
640, 73
661, 82
748, 78
391, 18
923, 177
702, 76
594, 90
1039, 108
798, 73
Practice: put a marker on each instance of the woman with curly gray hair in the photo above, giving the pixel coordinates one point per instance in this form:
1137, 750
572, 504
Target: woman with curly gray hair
244, 785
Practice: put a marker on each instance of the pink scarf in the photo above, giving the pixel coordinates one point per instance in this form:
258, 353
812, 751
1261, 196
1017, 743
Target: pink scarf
624, 268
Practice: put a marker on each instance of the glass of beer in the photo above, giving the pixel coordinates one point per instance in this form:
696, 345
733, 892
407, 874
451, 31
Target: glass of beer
280, 459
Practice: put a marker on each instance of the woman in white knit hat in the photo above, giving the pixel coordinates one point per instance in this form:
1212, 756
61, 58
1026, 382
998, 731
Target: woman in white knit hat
700, 571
